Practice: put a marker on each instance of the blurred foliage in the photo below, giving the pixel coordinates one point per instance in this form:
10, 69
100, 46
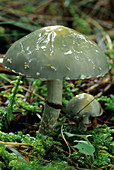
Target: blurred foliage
21, 17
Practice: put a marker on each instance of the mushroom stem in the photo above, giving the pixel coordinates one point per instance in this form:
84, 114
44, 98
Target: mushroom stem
52, 107
84, 123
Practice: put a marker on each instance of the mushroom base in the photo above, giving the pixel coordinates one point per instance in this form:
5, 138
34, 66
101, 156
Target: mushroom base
85, 123
51, 111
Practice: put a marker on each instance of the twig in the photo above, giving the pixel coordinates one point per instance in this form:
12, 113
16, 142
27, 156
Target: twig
14, 144
98, 84
105, 89
65, 142
24, 145
24, 88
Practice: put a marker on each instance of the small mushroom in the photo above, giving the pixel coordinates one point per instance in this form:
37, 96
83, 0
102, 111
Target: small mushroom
55, 53
82, 107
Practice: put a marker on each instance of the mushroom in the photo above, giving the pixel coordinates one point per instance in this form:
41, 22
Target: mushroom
55, 53
82, 107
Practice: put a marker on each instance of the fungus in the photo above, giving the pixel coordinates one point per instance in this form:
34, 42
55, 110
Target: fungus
82, 107
55, 53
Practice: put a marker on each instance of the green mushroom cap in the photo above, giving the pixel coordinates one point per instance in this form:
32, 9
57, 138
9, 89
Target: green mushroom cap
83, 105
56, 52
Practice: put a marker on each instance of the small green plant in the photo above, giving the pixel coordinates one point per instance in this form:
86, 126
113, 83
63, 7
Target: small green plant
16, 104
8, 114
84, 146
69, 91
39, 87
104, 147
93, 150
109, 105
109, 102
35, 148
97, 151
12, 158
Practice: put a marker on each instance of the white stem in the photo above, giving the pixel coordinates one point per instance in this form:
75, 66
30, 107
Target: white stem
86, 120
52, 107
84, 123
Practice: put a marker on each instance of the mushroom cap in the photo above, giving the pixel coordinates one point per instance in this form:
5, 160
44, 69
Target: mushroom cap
56, 52
83, 105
